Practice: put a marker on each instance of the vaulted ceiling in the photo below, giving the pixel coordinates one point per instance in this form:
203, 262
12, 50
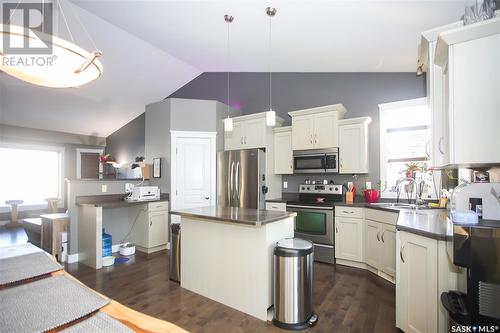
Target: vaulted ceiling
152, 48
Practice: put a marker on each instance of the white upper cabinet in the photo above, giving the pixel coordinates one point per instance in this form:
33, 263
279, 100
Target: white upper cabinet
283, 159
316, 128
353, 145
248, 132
434, 82
469, 59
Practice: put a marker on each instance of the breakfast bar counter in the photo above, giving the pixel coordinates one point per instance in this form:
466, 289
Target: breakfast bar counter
227, 254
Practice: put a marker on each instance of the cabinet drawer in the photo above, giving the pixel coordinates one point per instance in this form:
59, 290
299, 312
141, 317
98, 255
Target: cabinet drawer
158, 206
381, 216
356, 212
278, 206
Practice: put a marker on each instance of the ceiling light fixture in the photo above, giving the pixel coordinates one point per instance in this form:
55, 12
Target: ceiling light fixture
68, 65
228, 122
270, 115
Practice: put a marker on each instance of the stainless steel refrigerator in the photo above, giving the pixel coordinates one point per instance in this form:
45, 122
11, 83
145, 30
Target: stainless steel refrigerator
241, 178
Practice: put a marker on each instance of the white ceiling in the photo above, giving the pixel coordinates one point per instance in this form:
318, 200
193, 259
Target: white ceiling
152, 48
308, 35
136, 73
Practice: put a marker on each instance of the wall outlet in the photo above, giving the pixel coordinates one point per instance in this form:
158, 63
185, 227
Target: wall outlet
285, 184
104, 188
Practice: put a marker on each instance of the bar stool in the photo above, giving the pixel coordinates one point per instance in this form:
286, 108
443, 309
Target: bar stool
13, 210
52, 205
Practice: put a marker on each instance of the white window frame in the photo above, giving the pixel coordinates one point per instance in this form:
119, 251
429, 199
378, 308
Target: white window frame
60, 150
383, 137
79, 152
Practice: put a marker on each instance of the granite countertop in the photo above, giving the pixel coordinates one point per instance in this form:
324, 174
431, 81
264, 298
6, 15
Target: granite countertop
431, 223
427, 222
245, 216
112, 200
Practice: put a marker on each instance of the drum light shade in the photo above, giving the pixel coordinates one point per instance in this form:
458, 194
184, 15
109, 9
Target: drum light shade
66, 66
228, 124
270, 118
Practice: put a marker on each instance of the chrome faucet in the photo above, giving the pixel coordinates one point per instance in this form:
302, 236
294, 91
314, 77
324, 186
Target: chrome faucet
418, 184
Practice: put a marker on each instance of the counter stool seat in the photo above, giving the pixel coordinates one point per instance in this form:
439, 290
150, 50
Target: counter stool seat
13, 211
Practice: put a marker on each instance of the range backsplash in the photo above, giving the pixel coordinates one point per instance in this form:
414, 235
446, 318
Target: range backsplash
295, 180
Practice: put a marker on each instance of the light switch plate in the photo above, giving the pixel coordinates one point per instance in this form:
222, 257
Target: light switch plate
104, 188
285, 184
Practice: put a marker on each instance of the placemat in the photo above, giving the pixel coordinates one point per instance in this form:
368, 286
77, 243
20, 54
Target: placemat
46, 304
100, 322
26, 266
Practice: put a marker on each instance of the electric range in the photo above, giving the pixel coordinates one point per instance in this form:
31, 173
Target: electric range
315, 219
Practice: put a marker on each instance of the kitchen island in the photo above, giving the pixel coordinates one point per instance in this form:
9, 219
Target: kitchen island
227, 254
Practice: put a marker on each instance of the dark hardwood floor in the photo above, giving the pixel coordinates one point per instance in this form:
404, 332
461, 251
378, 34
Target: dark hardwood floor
346, 299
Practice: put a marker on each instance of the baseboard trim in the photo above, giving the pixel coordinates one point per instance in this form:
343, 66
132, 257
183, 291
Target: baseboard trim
362, 265
72, 258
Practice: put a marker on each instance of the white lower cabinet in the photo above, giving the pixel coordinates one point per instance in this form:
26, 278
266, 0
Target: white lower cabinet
380, 246
149, 225
349, 238
417, 279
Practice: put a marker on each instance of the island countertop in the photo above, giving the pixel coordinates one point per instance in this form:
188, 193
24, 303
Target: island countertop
245, 216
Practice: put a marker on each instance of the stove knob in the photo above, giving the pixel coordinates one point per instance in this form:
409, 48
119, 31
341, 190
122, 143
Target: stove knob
336, 189
308, 188
331, 188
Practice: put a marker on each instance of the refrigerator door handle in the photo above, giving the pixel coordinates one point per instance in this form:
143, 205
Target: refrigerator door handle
237, 181
231, 181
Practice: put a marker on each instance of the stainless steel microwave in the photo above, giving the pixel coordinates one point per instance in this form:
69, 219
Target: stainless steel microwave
316, 161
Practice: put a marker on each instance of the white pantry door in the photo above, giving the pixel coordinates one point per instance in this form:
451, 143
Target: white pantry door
193, 176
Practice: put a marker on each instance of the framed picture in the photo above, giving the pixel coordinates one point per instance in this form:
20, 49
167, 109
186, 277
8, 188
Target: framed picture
157, 167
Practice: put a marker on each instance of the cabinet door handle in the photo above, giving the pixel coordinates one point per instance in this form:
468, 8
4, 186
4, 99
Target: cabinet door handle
348, 212
378, 236
150, 222
311, 138
207, 198
439, 145
401, 253
245, 139
241, 140
315, 138
336, 229
382, 237
427, 144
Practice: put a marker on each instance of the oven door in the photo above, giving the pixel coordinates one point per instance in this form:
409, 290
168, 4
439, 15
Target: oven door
314, 163
314, 223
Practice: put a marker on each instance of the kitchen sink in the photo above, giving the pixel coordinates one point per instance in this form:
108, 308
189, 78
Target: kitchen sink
395, 205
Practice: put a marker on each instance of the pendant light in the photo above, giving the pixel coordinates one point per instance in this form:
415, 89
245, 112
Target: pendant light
68, 65
270, 115
228, 122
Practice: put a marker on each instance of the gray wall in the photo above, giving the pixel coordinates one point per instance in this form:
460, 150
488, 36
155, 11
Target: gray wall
359, 92
179, 115
133, 135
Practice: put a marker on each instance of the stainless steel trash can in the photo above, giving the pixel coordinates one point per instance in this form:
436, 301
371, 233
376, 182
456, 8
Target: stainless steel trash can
175, 252
293, 284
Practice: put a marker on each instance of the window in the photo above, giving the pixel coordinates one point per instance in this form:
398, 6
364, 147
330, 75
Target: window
30, 173
404, 143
